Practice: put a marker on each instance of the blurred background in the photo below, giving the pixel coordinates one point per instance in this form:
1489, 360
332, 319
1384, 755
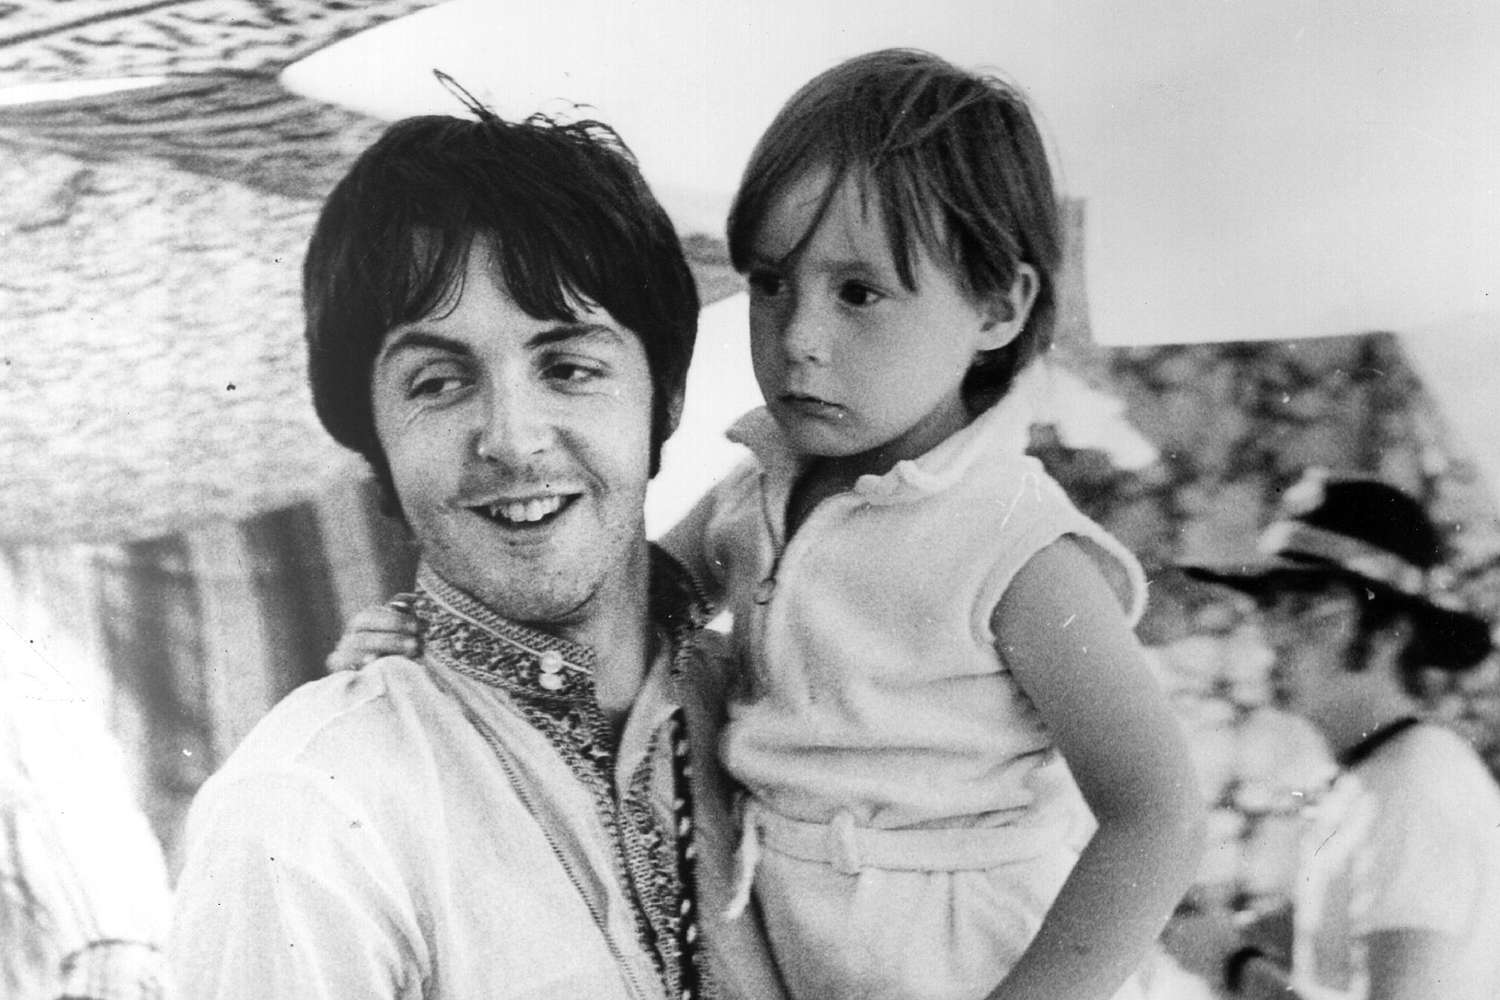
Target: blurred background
1284, 243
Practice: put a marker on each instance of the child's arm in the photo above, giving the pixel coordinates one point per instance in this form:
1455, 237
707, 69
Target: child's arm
1061, 631
687, 542
381, 630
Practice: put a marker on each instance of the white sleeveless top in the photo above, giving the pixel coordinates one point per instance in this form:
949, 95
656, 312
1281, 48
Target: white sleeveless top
872, 683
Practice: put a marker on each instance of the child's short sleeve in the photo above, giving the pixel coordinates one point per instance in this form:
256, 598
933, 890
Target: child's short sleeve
1038, 514
702, 540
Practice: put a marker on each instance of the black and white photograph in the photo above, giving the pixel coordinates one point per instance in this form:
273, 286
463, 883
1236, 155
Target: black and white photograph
791, 500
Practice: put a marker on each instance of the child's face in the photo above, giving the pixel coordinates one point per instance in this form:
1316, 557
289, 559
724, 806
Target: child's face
851, 362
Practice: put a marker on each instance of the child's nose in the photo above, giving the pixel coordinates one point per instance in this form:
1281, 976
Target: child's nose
805, 337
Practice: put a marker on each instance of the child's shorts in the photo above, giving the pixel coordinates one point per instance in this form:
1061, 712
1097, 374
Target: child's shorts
913, 914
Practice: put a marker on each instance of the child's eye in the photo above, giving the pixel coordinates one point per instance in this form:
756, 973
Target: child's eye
854, 293
765, 282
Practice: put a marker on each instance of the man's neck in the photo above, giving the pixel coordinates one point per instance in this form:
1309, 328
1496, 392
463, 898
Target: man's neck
623, 659
1363, 716
617, 626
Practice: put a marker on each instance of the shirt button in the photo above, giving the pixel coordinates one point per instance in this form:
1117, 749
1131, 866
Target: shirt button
551, 662
551, 682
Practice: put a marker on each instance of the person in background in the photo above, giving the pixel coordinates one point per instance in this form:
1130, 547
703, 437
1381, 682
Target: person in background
1398, 892
500, 320
84, 899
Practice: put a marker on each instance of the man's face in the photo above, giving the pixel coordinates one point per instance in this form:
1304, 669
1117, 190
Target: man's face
1311, 628
519, 449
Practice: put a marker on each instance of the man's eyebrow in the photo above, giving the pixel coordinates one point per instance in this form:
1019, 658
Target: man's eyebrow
565, 332
415, 337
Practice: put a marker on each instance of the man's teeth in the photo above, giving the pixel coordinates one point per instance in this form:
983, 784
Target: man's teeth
526, 510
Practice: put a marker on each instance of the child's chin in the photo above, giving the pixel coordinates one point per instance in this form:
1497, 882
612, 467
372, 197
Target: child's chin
819, 440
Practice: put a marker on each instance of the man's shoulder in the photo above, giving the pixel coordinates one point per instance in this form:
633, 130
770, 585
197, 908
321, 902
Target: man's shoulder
343, 724
1434, 772
343, 753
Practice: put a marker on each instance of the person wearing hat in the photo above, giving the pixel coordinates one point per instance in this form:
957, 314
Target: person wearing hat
1398, 892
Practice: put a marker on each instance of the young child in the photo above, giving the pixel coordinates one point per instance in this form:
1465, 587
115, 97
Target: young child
927, 627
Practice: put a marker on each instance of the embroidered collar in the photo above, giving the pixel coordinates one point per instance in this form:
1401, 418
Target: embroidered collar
551, 682
1002, 430
464, 634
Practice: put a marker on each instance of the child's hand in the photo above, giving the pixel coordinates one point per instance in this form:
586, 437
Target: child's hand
382, 630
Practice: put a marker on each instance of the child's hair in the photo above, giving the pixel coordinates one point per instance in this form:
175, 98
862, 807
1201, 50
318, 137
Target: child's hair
950, 157
566, 212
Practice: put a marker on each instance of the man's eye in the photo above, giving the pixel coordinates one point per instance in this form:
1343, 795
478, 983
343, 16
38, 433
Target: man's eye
434, 385
765, 282
572, 372
854, 293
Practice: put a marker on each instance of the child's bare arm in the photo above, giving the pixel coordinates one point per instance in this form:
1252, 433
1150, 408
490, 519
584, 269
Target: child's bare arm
687, 542
1067, 642
376, 631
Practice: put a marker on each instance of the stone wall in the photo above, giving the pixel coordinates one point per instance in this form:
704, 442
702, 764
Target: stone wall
1235, 424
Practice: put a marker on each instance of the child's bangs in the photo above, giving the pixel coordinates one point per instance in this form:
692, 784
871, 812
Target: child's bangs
910, 212
893, 196
902, 182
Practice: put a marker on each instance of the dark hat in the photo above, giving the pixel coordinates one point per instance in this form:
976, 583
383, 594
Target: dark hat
1374, 536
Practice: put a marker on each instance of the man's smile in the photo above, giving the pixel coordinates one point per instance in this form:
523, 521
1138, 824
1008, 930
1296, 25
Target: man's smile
525, 512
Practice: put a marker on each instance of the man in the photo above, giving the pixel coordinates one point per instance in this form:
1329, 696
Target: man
1398, 894
500, 319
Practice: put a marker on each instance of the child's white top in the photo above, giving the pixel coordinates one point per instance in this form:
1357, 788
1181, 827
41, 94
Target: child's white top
872, 683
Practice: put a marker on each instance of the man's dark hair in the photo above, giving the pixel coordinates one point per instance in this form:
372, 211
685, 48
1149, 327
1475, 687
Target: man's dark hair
564, 209
1379, 608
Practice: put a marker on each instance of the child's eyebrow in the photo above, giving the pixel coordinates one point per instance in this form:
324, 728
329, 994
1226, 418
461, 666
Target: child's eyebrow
853, 264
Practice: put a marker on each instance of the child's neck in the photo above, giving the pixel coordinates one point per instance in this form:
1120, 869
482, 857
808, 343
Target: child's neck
817, 483
824, 477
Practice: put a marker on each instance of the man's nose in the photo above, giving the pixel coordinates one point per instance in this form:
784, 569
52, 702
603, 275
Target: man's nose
1279, 636
517, 423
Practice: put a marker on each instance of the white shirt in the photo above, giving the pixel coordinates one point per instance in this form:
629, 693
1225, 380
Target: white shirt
1409, 838
448, 829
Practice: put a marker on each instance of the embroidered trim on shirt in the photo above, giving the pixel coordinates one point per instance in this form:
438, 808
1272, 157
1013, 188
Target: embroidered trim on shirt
551, 682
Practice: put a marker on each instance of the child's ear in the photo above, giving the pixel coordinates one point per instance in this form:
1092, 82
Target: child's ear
1006, 313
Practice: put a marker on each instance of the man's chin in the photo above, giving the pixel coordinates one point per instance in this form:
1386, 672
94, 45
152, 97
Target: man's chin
552, 573
528, 583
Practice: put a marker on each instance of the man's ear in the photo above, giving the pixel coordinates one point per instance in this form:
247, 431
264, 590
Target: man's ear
1391, 640
1006, 313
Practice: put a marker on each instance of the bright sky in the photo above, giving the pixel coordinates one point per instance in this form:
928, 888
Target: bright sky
1276, 168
